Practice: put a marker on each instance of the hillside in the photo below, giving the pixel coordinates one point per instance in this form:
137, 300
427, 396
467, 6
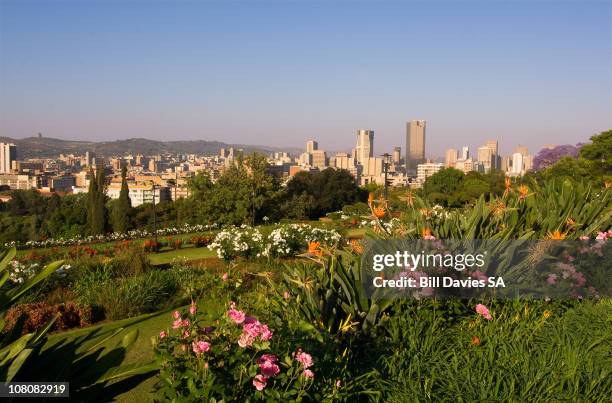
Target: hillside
35, 147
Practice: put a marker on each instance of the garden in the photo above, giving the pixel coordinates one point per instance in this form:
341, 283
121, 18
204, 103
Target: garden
278, 312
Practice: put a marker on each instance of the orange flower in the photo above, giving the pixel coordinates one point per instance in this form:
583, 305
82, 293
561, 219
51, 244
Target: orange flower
314, 248
426, 232
556, 235
508, 186
570, 221
607, 184
356, 246
370, 198
475, 341
409, 198
547, 314
379, 212
523, 192
425, 212
498, 208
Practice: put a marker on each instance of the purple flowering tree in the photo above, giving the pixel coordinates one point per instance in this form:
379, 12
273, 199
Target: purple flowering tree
548, 156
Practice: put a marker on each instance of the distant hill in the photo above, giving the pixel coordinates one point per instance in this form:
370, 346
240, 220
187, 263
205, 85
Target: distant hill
46, 147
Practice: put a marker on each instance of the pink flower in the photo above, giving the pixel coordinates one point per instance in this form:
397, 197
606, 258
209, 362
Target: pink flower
338, 383
186, 334
162, 334
250, 319
200, 347
552, 279
260, 382
305, 359
245, 340
176, 315
268, 368
483, 311
286, 295
186, 323
193, 309
601, 235
584, 238
308, 374
236, 316
252, 329
266, 334
225, 277
232, 305
267, 357
177, 324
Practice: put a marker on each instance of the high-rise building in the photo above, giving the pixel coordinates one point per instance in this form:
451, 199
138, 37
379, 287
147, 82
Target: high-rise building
465, 152
517, 164
311, 146
485, 157
319, 159
365, 145
397, 155
521, 150
495, 158
8, 154
415, 144
426, 170
450, 158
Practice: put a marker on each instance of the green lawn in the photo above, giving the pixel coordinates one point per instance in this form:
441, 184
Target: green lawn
189, 253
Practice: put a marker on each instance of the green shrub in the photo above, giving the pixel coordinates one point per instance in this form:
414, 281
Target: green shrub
123, 297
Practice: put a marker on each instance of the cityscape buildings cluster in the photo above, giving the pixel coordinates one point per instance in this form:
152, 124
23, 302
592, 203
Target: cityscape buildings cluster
165, 176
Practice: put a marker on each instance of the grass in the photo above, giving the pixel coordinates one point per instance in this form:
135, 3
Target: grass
188, 253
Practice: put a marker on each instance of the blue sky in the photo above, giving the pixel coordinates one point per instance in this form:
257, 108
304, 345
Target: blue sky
280, 73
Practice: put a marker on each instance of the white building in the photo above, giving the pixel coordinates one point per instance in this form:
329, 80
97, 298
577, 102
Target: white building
426, 170
8, 154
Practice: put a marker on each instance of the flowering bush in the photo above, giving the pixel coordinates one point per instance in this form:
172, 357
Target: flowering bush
230, 361
151, 245
115, 236
36, 315
289, 240
236, 242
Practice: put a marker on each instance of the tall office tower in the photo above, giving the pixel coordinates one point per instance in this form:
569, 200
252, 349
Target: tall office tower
465, 152
8, 154
397, 155
222, 153
319, 159
485, 157
495, 158
517, 164
521, 150
365, 145
415, 144
311, 146
450, 158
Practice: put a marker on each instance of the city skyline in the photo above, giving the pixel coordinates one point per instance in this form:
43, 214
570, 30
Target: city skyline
473, 71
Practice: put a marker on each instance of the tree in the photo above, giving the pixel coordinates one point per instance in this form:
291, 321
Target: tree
599, 151
122, 208
329, 190
97, 202
92, 196
549, 156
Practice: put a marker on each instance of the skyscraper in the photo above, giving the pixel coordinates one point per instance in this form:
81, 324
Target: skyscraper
397, 155
311, 146
415, 144
450, 158
8, 154
465, 152
495, 158
485, 157
365, 145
